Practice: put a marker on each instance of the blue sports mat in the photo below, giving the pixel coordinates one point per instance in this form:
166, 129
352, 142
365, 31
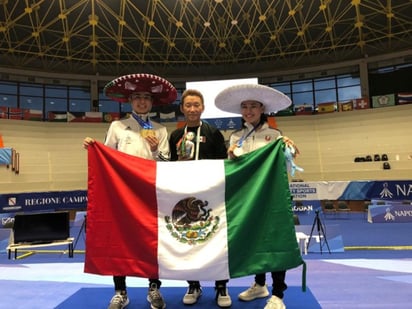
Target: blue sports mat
99, 298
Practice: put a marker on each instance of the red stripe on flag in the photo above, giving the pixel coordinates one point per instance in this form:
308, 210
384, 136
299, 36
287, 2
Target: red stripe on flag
121, 241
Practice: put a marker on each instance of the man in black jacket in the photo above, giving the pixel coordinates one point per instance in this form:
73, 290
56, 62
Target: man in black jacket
198, 140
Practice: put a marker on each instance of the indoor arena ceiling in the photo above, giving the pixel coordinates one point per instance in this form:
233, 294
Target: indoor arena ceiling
197, 37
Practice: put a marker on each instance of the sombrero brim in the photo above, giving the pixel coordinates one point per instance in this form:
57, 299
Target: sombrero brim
230, 98
121, 88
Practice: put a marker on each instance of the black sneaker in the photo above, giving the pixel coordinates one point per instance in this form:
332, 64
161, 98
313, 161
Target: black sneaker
193, 293
223, 299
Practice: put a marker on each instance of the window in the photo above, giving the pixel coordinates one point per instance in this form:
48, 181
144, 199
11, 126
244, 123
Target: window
324, 83
31, 102
300, 86
31, 96
348, 87
56, 91
55, 105
107, 105
56, 99
79, 105
282, 87
8, 88
348, 80
79, 93
8, 94
302, 98
349, 93
325, 90
79, 99
325, 96
8, 100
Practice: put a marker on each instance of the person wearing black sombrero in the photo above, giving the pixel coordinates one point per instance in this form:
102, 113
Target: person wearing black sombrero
138, 135
253, 102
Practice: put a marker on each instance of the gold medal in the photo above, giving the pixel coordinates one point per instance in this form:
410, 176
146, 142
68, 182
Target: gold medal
147, 132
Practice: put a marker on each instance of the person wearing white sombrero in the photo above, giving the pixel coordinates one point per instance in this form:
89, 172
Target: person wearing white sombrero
253, 102
138, 135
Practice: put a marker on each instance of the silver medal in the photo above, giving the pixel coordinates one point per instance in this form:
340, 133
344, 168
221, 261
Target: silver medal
238, 151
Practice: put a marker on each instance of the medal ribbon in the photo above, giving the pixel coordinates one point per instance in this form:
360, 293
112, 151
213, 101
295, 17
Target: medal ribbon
244, 137
147, 125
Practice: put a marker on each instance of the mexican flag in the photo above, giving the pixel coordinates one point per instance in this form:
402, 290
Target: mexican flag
189, 220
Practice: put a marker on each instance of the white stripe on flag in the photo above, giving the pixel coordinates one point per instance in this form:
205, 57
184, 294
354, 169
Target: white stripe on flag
208, 260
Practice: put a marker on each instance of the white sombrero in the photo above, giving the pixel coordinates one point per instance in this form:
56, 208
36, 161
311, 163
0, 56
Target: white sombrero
229, 99
121, 88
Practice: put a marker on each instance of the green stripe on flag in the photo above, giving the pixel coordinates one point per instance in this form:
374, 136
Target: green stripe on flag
261, 231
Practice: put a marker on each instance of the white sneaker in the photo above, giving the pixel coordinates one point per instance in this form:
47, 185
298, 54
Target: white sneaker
192, 295
223, 299
119, 301
255, 291
275, 303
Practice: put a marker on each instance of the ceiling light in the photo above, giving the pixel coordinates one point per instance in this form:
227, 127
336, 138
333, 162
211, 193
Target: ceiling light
93, 20
359, 24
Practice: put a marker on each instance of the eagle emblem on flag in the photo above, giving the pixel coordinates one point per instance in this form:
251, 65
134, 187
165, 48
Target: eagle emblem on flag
191, 222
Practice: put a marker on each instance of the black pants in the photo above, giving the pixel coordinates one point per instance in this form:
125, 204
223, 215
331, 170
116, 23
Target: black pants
120, 283
278, 285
